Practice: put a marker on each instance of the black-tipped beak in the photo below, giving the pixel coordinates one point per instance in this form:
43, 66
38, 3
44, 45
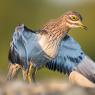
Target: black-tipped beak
84, 27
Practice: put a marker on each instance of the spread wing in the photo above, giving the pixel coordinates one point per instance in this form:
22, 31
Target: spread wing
18, 51
69, 56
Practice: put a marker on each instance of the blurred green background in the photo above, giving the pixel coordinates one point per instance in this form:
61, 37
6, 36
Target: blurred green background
34, 13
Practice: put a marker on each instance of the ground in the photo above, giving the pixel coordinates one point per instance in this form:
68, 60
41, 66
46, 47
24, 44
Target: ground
47, 87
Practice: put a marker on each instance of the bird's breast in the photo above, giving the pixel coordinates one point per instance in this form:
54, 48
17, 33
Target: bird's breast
50, 48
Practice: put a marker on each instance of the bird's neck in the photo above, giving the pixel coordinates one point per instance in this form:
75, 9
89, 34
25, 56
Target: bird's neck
56, 29
51, 35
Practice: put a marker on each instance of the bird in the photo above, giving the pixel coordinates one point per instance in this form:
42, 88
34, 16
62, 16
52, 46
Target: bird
51, 47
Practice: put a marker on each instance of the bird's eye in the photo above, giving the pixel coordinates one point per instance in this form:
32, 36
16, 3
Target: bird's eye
74, 18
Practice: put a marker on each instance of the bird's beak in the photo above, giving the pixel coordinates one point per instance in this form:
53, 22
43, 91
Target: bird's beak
83, 26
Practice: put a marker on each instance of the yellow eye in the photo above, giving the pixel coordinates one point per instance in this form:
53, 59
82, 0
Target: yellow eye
74, 18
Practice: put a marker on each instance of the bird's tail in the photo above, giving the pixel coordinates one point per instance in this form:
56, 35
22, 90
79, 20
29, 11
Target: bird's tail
87, 68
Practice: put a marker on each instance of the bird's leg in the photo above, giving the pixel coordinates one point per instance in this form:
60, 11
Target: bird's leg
13, 70
24, 73
29, 73
33, 74
79, 79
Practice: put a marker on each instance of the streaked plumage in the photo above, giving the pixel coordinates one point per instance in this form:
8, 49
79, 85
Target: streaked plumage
50, 47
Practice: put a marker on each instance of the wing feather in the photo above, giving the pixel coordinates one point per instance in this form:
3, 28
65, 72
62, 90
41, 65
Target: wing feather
69, 56
18, 51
